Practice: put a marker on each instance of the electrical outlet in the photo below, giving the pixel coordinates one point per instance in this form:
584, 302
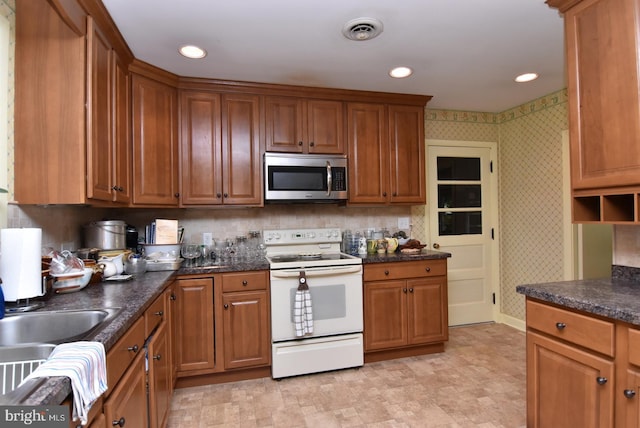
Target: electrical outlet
207, 238
403, 223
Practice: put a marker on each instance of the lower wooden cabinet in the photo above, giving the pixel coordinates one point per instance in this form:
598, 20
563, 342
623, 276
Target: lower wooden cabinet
567, 386
582, 370
127, 404
405, 307
246, 331
160, 378
194, 347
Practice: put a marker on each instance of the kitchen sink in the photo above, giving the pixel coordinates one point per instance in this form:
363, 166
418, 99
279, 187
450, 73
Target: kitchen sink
52, 327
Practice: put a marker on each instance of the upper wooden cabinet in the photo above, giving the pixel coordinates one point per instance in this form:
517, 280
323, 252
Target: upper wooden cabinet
220, 149
71, 107
155, 142
108, 142
602, 49
386, 154
296, 125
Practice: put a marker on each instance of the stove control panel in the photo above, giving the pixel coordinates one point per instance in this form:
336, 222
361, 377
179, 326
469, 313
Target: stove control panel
301, 236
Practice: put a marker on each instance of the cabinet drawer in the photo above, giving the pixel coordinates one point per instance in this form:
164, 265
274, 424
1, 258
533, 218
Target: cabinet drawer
592, 333
634, 346
124, 351
400, 270
154, 315
244, 281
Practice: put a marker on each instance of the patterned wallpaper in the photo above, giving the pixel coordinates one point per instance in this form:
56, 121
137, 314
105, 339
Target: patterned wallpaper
530, 186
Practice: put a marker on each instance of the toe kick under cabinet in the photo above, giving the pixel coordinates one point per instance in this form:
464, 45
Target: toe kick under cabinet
405, 308
582, 370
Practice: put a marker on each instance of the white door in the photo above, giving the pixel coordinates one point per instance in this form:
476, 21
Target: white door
462, 209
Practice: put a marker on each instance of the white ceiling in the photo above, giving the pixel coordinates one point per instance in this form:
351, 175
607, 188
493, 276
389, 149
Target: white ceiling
465, 53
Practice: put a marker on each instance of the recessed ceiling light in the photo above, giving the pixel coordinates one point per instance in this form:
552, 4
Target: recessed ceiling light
191, 51
400, 72
526, 77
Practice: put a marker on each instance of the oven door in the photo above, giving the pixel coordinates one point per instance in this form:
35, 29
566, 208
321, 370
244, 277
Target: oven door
336, 296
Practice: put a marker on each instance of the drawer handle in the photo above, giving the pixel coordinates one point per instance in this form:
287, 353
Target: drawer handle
560, 325
428, 269
157, 357
601, 380
133, 348
159, 313
244, 282
119, 422
629, 393
386, 272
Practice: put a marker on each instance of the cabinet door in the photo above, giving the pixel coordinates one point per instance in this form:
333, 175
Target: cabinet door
604, 108
160, 381
325, 129
194, 341
407, 163
127, 404
241, 162
567, 387
427, 312
385, 315
630, 400
122, 137
155, 143
100, 146
247, 339
201, 178
284, 118
368, 153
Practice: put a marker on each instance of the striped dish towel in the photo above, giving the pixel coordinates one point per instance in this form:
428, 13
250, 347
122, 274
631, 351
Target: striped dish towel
302, 309
85, 364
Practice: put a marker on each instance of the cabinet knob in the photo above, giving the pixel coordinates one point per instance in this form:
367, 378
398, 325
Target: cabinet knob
172, 297
384, 193
629, 393
312, 144
394, 194
177, 195
436, 245
226, 306
428, 269
299, 143
119, 422
114, 188
560, 326
244, 282
133, 348
120, 189
157, 357
411, 290
386, 272
404, 290
218, 195
601, 380
225, 195
159, 313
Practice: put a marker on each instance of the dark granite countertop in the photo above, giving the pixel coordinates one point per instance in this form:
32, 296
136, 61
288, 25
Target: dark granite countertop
403, 257
617, 297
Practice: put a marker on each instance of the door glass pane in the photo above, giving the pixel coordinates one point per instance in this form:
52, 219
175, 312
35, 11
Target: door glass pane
450, 168
459, 195
460, 223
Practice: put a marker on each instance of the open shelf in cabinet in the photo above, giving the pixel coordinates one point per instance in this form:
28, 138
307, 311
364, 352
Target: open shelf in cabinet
586, 209
618, 208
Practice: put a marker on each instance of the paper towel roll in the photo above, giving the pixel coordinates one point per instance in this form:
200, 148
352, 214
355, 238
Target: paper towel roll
20, 263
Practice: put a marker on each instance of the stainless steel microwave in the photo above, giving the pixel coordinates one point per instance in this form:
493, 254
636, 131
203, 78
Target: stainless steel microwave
290, 177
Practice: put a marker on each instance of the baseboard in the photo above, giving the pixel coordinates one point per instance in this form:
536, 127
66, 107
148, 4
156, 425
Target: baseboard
513, 322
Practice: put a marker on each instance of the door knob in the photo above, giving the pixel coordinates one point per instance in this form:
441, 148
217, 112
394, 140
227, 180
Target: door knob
436, 245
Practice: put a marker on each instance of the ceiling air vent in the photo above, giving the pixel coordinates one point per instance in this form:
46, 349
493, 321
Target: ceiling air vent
361, 29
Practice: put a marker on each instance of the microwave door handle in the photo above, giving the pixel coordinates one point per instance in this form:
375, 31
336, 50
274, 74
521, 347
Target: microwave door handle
329, 179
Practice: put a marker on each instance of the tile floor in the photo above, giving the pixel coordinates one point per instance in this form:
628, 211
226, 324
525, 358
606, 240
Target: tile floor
479, 381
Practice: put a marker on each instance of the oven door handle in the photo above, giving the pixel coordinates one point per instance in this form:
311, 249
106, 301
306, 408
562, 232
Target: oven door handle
313, 273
